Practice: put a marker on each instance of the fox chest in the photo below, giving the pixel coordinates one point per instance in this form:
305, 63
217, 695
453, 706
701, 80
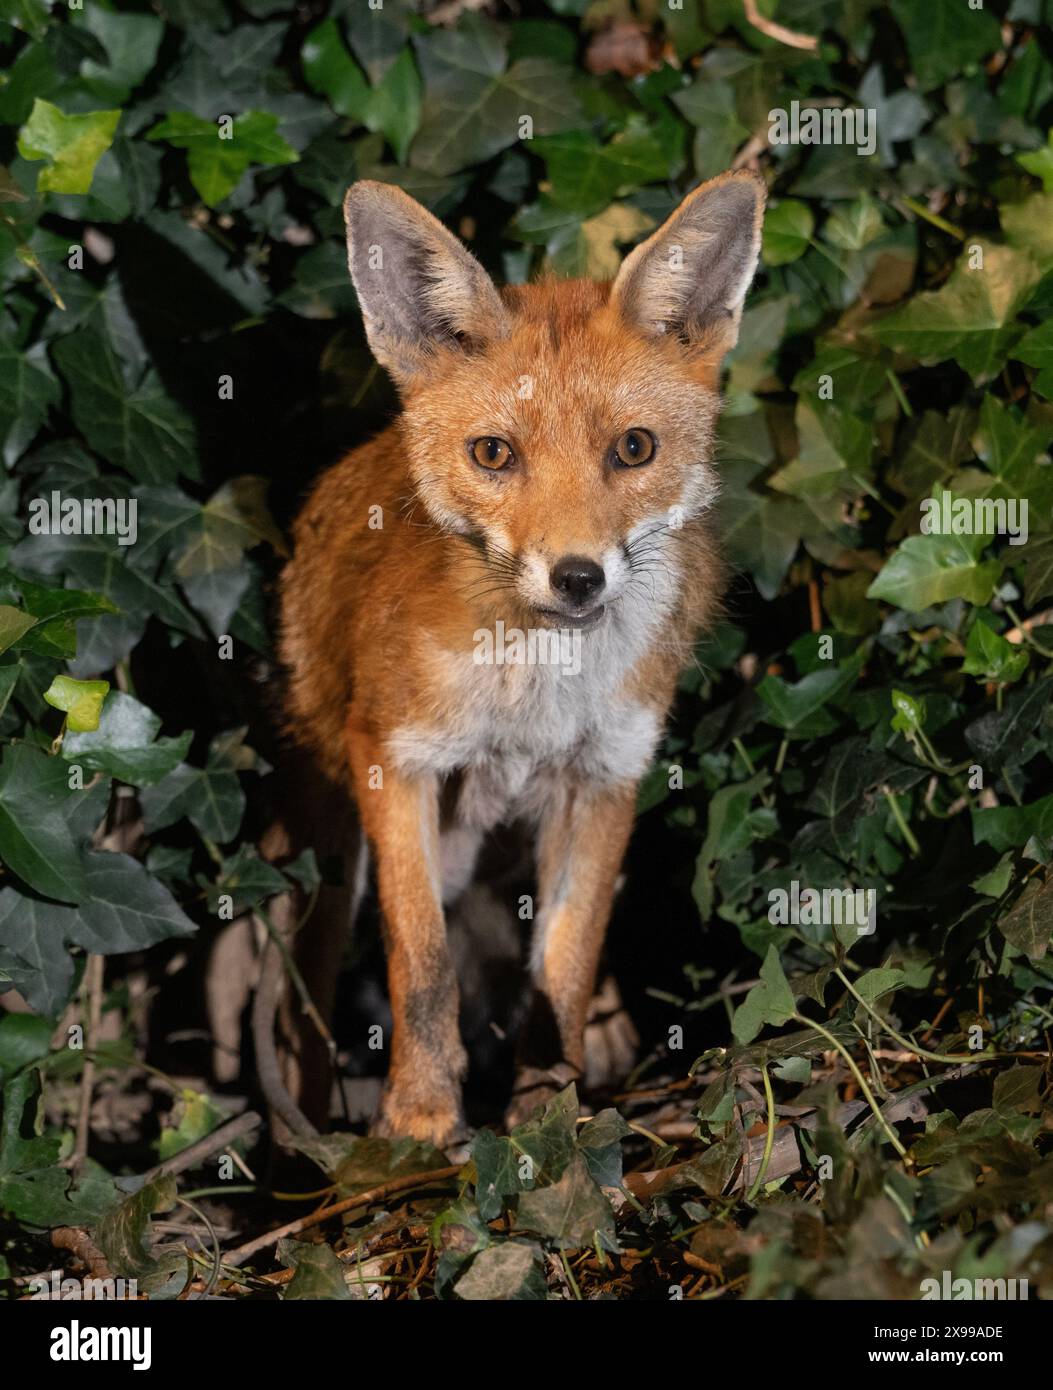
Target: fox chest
512, 731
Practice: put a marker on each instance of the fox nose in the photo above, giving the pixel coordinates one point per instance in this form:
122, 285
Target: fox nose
577, 578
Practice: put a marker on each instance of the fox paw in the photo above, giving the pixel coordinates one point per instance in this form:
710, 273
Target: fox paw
437, 1120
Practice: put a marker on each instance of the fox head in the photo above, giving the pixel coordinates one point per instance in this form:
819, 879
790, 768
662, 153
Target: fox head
566, 427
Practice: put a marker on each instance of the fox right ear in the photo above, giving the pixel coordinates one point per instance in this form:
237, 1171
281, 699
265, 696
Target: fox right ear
419, 289
690, 278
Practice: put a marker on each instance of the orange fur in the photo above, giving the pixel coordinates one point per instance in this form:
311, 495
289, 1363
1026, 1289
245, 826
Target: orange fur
379, 622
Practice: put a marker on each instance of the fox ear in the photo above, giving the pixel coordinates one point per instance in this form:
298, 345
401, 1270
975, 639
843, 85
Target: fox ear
690, 278
419, 289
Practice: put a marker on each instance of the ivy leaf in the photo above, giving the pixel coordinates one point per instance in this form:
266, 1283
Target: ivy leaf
123, 908
125, 743
14, 623
1010, 827
510, 1271
210, 561
217, 160
1028, 925
1035, 349
1019, 1089
586, 176
56, 613
833, 454
728, 831
909, 713
472, 111
131, 42
989, 656
319, 1274
392, 106
1038, 570
395, 104
247, 879
24, 1038
761, 530
933, 568
787, 234
942, 40
28, 390
71, 145
971, 318
23, 1146
1040, 163
82, 701
33, 956
125, 1237
35, 840
569, 1213
710, 105
211, 797
769, 1002
795, 707
356, 1164
136, 425
331, 70
600, 1143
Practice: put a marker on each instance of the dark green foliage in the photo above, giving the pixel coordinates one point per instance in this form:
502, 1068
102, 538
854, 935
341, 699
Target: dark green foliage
178, 329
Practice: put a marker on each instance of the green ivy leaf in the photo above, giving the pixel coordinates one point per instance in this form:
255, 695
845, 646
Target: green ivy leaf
1028, 925
569, 1213
35, 841
472, 108
971, 319
71, 145
133, 423
1040, 163
319, 1274
14, 623
82, 701
989, 656
944, 40
908, 713
770, 1002
124, 744
216, 161
787, 234
510, 1271
934, 568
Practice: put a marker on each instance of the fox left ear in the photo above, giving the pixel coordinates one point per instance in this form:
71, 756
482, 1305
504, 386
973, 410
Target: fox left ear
690, 278
419, 289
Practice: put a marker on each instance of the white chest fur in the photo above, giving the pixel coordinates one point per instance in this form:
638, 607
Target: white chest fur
516, 724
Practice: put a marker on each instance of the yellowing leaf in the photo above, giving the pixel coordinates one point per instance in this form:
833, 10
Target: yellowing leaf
82, 701
72, 145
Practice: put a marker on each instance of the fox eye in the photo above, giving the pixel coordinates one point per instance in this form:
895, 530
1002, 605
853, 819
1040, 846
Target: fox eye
490, 452
635, 447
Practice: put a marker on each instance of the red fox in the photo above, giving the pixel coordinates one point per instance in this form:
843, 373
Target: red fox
550, 475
